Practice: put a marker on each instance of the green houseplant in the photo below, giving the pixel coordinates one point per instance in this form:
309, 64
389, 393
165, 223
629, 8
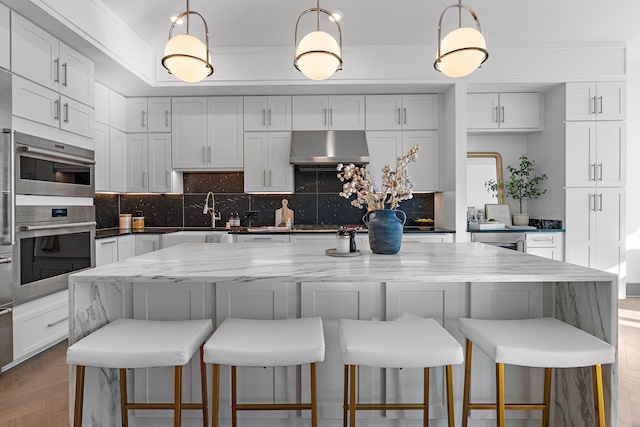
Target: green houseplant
523, 184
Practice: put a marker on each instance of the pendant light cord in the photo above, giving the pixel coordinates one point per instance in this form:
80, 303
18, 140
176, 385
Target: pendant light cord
187, 16
318, 12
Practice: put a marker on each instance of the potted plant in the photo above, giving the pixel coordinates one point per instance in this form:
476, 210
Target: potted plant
521, 185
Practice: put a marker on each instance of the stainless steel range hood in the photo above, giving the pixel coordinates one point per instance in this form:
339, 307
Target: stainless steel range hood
328, 148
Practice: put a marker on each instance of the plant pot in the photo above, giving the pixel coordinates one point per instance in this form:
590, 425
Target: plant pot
385, 230
521, 219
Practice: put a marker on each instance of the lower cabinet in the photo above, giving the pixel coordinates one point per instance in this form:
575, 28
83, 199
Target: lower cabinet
427, 238
546, 245
146, 243
261, 238
106, 251
126, 247
39, 324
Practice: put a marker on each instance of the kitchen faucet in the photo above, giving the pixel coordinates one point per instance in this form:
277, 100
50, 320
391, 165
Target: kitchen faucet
211, 209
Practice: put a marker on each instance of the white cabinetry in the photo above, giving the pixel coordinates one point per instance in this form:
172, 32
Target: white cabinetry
267, 162
5, 37
40, 57
396, 112
207, 133
595, 229
595, 154
547, 245
101, 103
513, 111
149, 162
117, 111
386, 146
148, 114
427, 238
111, 158
595, 101
39, 324
126, 247
263, 113
106, 251
261, 238
146, 243
327, 240
329, 112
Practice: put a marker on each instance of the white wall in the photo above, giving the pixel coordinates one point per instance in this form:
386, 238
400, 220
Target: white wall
633, 171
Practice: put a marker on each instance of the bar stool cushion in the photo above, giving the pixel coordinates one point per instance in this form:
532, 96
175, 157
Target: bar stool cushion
133, 343
416, 343
249, 342
542, 343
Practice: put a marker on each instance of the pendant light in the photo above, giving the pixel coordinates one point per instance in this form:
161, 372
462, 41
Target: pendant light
464, 49
185, 56
318, 56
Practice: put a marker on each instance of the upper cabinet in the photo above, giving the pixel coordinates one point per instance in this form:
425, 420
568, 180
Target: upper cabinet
101, 103
40, 57
148, 114
402, 112
267, 168
5, 38
595, 101
149, 162
345, 112
511, 111
207, 133
267, 113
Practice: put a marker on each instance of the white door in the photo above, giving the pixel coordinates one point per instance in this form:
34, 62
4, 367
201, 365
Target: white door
519, 110
159, 112
580, 236
383, 149
279, 113
611, 162
255, 170
255, 113
310, 112
425, 171
225, 149
117, 160
146, 243
101, 150
580, 101
126, 247
346, 112
383, 112
580, 154
76, 75
34, 102
419, 112
137, 117
189, 132
137, 163
610, 236
106, 251
482, 111
280, 171
612, 100
159, 162
101, 103
76, 117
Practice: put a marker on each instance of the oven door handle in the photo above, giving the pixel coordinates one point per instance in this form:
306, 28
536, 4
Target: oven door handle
54, 155
54, 226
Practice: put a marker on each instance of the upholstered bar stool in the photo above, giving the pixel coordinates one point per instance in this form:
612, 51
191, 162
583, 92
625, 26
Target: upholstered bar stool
538, 343
131, 343
416, 343
248, 342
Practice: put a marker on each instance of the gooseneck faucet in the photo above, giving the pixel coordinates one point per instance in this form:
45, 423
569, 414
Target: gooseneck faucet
214, 216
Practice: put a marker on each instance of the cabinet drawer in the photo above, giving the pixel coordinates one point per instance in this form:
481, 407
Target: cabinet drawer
542, 240
38, 324
280, 238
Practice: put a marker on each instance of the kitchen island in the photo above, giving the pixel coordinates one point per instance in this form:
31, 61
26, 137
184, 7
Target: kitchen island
444, 281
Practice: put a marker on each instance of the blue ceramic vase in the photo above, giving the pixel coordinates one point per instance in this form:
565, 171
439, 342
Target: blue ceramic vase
385, 230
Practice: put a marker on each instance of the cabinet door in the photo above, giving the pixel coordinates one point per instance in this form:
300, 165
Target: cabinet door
126, 247
279, 113
280, 172
612, 100
106, 251
137, 115
34, 102
262, 238
549, 252
580, 101
519, 110
383, 112
76, 117
310, 112
419, 112
580, 236
255, 113
580, 154
225, 149
427, 238
146, 243
159, 162
424, 172
346, 112
5, 37
610, 235
159, 110
384, 148
137, 163
76, 75
101, 103
117, 111
255, 170
101, 150
117, 160
482, 111
611, 162
34, 53
189, 132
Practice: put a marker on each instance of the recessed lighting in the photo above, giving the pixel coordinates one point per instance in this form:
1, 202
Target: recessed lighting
336, 15
173, 18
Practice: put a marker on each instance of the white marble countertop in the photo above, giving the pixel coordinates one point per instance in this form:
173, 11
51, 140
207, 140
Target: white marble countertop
443, 262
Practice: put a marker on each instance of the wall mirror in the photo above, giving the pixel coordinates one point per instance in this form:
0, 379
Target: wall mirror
481, 167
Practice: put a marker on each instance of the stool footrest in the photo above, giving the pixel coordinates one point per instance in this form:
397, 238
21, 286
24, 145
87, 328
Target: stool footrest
152, 406
387, 406
272, 406
510, 406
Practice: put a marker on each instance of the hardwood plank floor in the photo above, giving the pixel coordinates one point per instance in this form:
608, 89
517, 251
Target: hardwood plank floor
35, 393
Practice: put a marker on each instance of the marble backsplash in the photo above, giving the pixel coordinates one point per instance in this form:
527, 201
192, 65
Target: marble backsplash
315, 201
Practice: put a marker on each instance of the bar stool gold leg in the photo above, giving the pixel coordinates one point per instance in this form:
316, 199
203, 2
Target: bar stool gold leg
500, 394
425, 417
314, 397
124, 412
77, 410
177, 394
352, 400
203, 384
345, 395
467, 384
216, 395
599, 395
547, 397
234, 413
450, 411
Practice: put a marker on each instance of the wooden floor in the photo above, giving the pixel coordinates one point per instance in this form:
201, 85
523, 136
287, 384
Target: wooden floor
35, 393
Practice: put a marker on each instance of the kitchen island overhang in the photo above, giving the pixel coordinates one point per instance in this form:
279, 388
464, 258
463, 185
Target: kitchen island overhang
582, 297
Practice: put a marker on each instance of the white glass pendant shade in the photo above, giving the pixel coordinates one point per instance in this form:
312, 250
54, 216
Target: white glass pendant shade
462, 51
187, 58
318, 55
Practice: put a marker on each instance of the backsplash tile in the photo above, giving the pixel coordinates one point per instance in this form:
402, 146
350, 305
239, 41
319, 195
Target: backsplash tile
218, 182
161, 210
107, 210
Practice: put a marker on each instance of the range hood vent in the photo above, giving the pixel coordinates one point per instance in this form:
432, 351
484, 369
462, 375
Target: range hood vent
328, 148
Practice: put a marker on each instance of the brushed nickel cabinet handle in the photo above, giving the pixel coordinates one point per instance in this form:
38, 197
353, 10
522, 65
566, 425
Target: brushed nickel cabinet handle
593, 99
325, 116
111, 242
57, 66
57, 322
264, 117
56, 110
144, 114
64, 67
600, 171
502, 108
495, 114
600, 202
600, 98
399, 117
66, 112
405, 115
592, 202
331, 116
204, 159
166, 118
